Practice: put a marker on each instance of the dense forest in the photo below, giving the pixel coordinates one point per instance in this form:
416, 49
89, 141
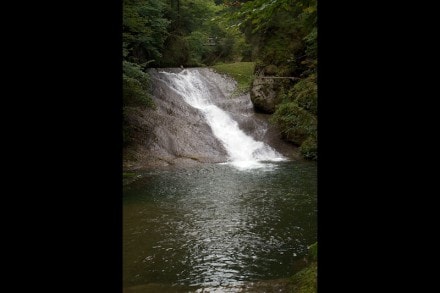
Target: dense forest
280, 36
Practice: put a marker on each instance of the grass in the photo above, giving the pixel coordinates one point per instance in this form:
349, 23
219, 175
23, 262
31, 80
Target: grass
242, 72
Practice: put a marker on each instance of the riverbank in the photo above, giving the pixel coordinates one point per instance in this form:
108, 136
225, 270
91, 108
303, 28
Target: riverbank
305, 281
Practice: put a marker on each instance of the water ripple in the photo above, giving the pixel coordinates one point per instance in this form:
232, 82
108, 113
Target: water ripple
248, 226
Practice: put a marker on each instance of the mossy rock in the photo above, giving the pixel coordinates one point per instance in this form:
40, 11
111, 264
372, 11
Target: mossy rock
305, 281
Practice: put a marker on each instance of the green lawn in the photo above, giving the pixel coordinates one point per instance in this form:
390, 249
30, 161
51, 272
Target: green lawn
242, 72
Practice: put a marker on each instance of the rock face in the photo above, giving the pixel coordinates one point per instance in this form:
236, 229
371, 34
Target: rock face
176, 134
263, 95
172, 134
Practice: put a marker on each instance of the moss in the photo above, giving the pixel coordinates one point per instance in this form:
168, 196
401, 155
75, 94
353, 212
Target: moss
305, 281
242, 72
128, 174
296, 112
313, 251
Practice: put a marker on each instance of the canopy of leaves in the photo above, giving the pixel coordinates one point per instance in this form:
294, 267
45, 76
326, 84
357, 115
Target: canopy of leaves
197, 38
144, 29
135, 86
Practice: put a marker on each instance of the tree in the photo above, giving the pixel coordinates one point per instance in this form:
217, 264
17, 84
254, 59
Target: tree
144, 30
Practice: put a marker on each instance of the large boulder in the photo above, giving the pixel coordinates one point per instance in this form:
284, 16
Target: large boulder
264, 90
263, 95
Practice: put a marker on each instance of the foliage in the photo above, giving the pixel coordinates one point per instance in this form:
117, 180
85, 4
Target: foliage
296, 115
135, 86
171, 33
195, 38
312, 43
176, 52
280, 30
296, 124
197, 49
144, 29
309, 148
242, 72
305, 93
135, 94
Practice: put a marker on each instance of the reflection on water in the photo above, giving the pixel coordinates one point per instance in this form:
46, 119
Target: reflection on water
216, 226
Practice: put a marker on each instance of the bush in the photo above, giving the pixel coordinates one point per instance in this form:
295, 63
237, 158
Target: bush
135, 86
296, 124
309, 148
196, 42
305, 92
135, 93
296, 115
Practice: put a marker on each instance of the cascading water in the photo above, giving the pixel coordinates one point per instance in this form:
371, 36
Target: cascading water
244, 151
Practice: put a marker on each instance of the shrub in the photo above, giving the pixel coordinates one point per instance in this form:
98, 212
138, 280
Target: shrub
296, 124
135, 86
305, 92
309, 148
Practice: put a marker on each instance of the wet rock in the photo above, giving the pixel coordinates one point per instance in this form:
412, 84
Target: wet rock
176, 134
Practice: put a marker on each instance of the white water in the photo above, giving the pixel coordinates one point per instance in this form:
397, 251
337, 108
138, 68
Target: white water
243, 150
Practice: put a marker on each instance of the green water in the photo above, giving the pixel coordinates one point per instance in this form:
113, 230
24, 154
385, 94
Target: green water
217, 227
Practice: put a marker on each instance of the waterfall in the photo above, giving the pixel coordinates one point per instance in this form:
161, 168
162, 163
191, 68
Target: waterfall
243, 150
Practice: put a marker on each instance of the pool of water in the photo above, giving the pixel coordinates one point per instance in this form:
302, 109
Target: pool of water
216, 226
